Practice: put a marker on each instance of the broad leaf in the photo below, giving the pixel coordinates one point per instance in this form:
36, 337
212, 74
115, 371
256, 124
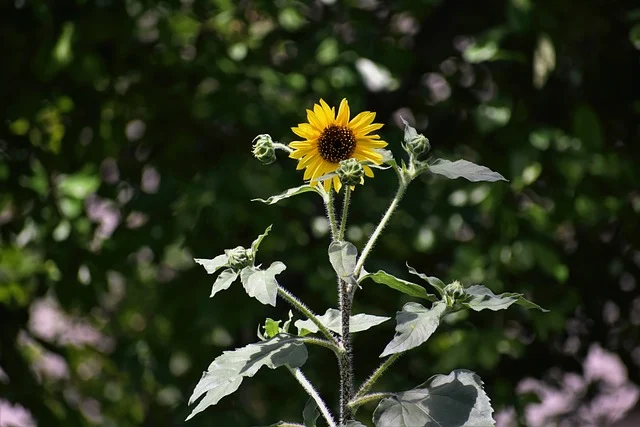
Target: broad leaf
414, 325
226, 372
310, 413
331, 319
464, 169
342, 256
288, 193
401, 285
256, 243
224, 280
433, 281
454, 400
262, 284
213, 265
482, 298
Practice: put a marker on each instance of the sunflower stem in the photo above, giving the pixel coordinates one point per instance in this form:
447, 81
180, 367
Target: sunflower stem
283, 147
366, 386
299, 305
346, 358
331, 213
345, 212
311, 391
376, 233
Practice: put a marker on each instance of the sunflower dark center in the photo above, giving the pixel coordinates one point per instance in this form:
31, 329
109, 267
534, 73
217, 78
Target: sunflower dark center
336, 143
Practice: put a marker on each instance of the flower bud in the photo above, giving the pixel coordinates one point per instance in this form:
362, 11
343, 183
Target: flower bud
454, 289
239, 257
350, 172
418, 144
263, 149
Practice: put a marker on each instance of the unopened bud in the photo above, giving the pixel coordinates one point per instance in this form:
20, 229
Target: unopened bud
350, 172
239, 257
263, 149
418, 144
454, 289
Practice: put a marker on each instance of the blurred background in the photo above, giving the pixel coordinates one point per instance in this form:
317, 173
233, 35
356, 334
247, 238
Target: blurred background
125, 138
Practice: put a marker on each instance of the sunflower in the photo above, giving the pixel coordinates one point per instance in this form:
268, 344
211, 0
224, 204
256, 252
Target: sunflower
329, 139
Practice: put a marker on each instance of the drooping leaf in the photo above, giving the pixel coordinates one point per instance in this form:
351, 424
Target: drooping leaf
464, 169
256, 243
213, 265
482, 298
414, 325
310, 413
224, 280
288, 193
342, 256
400, 285
454, 400
432, 280
262, 284
331, 319
226, 372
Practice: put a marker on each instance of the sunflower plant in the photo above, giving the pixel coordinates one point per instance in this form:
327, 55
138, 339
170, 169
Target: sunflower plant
337, 152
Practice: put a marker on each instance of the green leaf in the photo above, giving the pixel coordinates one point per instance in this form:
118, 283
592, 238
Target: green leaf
272, 327
262, 284
310, 413
226, 372
409, 131
224, 280
79, 185
432, 280
288, 193
331, 319
342, 256
464, 169
256, 243
482, 298
213, 265
414, 325
454, 400
401, 285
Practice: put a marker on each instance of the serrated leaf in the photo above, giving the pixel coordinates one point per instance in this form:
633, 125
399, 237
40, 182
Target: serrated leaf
342, 256
400, 285
310, 413
226, 372
256, 243
454, 400
262, 284
288, 193
224, 280
432, 280
414, 325
331, 319
482, 298
464, 169
213, 265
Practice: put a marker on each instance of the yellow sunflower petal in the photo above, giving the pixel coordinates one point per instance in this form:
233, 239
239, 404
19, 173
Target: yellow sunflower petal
301, 145
361, 120
370, 128
371, 143
336, 183
367, 171
322, 117
314, 120
343, 113
328, 111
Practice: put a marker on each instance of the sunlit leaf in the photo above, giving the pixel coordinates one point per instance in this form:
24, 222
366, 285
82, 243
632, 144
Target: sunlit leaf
400, 285
464, 169
331, 319
482, 298
289, 193
224, 280
342, 256
213, 265
414, 325
433, 281
256, 243
262, 284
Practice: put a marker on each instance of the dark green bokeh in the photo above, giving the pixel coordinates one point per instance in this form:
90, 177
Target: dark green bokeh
106, 97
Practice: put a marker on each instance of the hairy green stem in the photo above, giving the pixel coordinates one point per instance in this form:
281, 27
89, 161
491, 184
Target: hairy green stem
346, 361
331, 213
359, 401
308, 387
345, 212
366, 386
376, 233
299, 305
282, 147
323, 343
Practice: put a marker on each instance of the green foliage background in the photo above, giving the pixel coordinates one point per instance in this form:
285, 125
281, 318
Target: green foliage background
105, 97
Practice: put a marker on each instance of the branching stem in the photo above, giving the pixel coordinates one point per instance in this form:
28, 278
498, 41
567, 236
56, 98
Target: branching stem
308, 387
364, 388
345, 212
359, 401
299, 305
331, 213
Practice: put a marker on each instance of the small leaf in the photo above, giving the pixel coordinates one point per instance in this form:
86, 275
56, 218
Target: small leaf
288, 193
414, 325
342, 256
262, 284
432, 280
272, 327
454, 400
400, 285
409, 131
310, 413
482, 298
213, 265
224, 280
331, 319
256, 243
226, 372
464, 169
